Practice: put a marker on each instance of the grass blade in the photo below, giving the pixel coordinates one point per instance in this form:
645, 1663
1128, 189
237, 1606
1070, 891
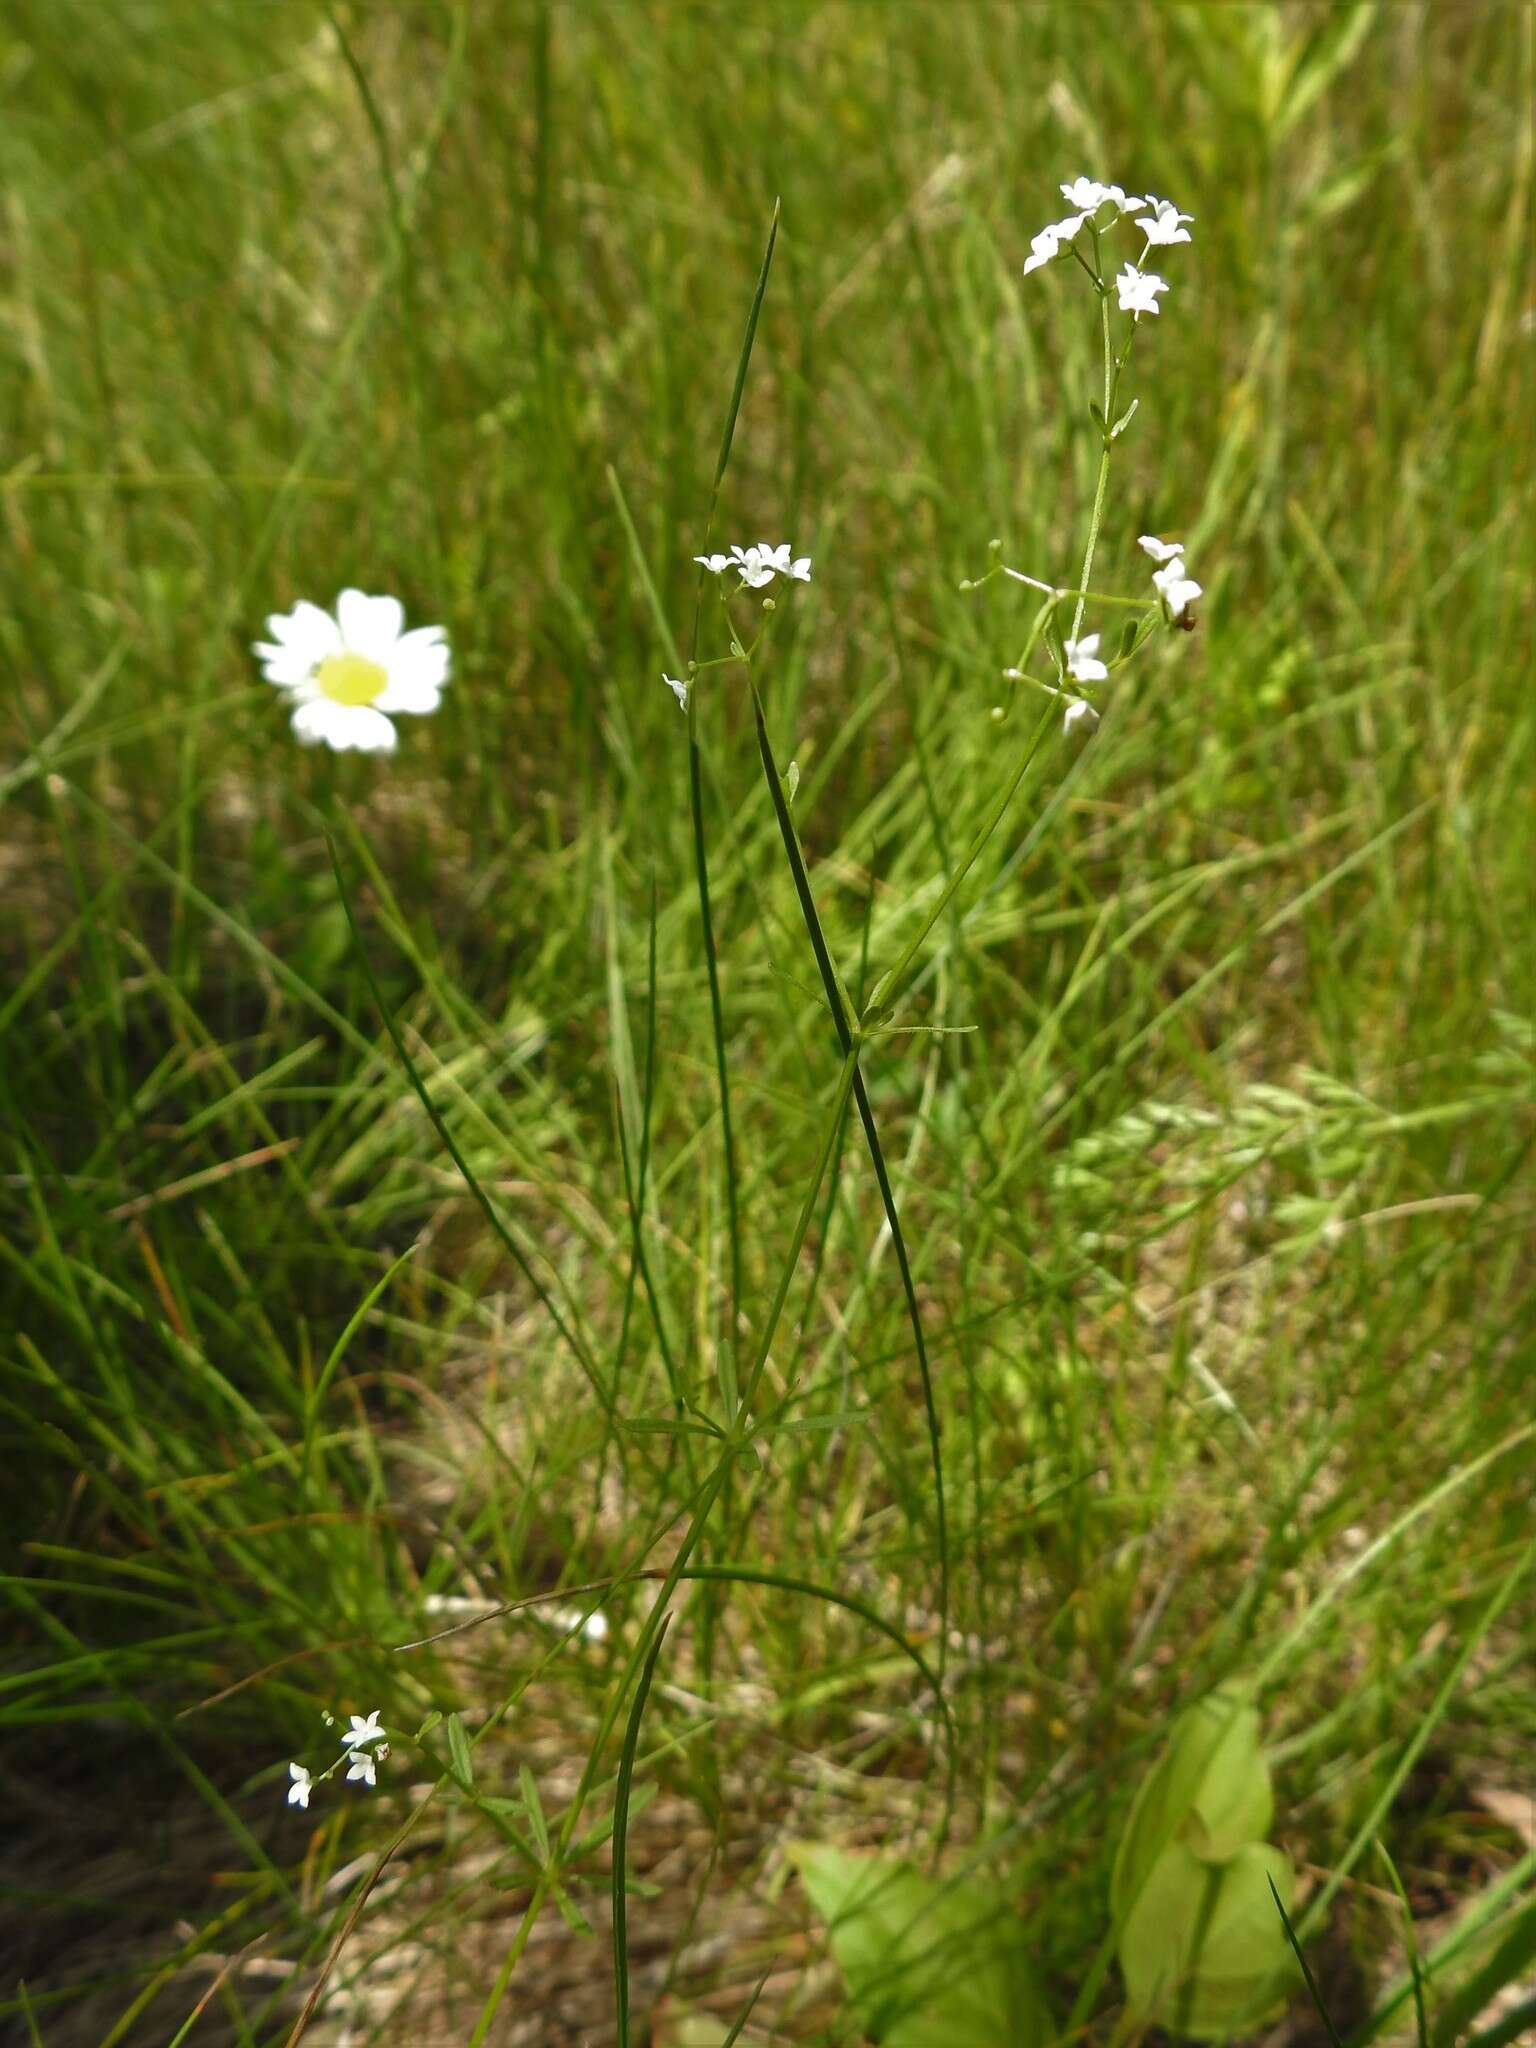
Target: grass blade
621, 1833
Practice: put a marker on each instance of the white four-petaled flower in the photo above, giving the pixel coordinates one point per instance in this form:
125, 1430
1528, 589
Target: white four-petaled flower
1083, 664
1177, 587
1043, 248
347, 673
1164, 225
1138, 290
1048, 244
679, 690
362, 1767
1087, 195
1078, 710
363, 1730
302, 1786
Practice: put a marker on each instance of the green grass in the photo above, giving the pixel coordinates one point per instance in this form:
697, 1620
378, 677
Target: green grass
1208, 1144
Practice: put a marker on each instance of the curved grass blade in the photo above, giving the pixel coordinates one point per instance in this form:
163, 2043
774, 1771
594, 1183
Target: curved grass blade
1411, 1944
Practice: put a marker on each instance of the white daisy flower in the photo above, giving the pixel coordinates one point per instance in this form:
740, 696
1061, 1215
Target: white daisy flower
679, 690
1083, 664
1078, 710
302, 1786
1160, 550
362, 1769
1138, 290
1178, 589
345, 674
363, 1730
1163, 227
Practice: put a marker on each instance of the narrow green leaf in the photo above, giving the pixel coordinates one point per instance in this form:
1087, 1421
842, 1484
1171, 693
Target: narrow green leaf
621, 1808
534, 1808
459, 1752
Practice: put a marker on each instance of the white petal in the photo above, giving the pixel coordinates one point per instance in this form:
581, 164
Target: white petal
679, 690
370, 625
287, 671
417, 670
306, 631
1160, 550
344, 726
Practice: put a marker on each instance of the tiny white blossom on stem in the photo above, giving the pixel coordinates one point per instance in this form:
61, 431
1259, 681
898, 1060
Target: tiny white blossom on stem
1087, 195
362, 1768
1083, 664
1043, 248
759, 565
1160, 550
302, 1786
347, 674
1138, 290
1078, 710
779, 560
679, 690
1163, 226
363, 1730
1177, 587
754, 564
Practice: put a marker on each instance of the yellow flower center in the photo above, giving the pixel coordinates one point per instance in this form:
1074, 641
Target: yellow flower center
350, 678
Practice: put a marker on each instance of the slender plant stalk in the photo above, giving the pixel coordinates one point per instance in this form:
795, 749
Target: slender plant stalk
850, 1045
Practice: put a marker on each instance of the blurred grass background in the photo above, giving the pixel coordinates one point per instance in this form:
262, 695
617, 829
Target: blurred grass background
1215, 1179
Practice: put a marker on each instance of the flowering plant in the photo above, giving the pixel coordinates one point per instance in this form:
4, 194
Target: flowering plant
1074, 655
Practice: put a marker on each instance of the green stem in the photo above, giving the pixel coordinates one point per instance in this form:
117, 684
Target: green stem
850, 1046
1111, 384
888, 983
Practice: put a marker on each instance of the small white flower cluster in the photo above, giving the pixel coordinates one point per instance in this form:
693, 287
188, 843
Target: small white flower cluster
346, 673
1175, 586
362, 1762
756, 566
1161, 222
759, 565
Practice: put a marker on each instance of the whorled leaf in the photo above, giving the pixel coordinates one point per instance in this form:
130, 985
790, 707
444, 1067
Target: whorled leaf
1204, 1951
928, 1964
1210, 1791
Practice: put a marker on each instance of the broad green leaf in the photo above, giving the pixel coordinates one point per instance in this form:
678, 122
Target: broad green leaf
1209, 1789
1204, 1952
927, 1964
1234, 1802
